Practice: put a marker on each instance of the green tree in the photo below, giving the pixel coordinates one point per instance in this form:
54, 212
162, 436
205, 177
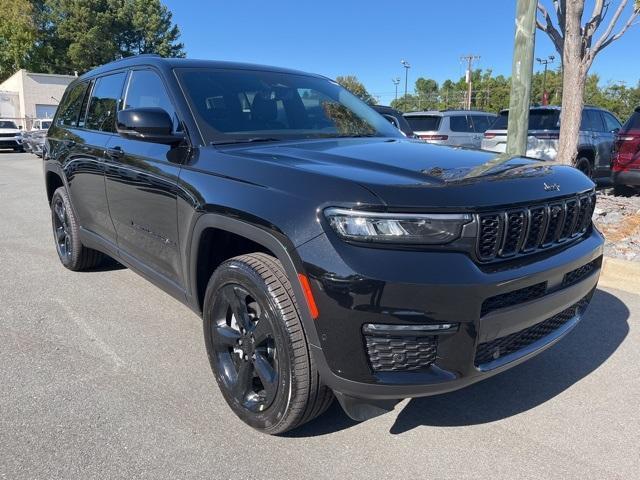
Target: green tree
77, 35
17, 33
355, 86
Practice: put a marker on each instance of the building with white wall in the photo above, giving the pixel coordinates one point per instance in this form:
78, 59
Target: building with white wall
27, 95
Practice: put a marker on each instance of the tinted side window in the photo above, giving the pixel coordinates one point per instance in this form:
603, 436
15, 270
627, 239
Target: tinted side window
591, 121
611, 123
70, 108
460, 123
633, 123
147, 90
481, 123
104, 103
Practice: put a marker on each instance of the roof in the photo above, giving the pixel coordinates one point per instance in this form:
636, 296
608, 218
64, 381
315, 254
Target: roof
443, 113
171, 63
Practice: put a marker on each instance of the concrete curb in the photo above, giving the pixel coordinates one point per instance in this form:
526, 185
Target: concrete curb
620, 274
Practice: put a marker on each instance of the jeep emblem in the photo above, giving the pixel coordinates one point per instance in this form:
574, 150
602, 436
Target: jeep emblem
551, 187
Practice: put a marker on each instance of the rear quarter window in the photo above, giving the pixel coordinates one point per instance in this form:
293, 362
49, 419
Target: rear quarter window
69, 110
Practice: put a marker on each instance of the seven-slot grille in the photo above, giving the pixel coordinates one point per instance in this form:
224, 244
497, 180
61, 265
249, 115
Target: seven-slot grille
529, 229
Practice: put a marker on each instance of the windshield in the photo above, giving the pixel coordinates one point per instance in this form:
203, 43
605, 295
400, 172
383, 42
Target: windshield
426, 123
250, 105
7, 124
539, 119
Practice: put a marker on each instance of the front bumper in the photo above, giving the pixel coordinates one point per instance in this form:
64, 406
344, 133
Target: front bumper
356, 286
10, 142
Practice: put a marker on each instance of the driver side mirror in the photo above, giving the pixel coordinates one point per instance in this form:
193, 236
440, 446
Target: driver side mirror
149, 124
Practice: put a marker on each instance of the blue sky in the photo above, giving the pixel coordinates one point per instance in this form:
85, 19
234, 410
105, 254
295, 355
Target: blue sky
369, 38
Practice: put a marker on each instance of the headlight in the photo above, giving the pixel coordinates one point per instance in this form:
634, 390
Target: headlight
429, 229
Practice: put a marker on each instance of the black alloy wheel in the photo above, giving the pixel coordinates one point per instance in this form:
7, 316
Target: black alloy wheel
61, 228
245, 349
257, 345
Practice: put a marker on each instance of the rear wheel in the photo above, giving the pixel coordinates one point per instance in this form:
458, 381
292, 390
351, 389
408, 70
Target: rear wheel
623, 190
66, 233
584, 165
257, 347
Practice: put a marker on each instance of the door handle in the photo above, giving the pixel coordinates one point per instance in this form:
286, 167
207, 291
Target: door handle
114, 153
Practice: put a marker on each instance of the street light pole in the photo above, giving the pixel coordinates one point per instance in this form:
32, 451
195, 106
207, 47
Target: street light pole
546, 63
406, 66
396, 82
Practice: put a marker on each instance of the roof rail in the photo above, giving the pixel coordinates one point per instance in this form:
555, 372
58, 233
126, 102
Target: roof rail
142, 55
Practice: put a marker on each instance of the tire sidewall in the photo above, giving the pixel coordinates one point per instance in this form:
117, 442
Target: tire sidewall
69, 261
237, 272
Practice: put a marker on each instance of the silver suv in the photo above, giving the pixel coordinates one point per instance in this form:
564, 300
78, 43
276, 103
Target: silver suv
595, 145
460, 128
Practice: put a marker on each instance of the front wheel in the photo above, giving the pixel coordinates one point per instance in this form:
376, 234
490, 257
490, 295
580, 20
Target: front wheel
257, 347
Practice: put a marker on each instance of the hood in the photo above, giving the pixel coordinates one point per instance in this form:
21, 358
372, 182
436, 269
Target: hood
411, 174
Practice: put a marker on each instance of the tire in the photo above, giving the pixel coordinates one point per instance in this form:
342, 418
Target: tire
264, 344
584, 165
66, 235
623, 190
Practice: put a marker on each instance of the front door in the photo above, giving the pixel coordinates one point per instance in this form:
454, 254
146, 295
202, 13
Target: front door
141, 180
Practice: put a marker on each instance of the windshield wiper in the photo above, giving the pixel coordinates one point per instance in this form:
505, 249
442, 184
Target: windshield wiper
245, 140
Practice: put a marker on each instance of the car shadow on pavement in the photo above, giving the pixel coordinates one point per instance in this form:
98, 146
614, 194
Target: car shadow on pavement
522, 388
532, 383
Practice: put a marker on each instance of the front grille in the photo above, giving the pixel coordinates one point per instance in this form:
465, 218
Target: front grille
514, 297
509, 344
396, 354
5, 135
533, 228
581, 273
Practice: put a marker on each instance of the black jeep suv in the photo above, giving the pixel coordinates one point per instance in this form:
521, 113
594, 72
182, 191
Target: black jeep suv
327, 254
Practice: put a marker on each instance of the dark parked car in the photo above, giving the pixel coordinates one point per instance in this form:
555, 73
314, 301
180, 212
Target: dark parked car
396, 118
595, 142
327, 253
625, 165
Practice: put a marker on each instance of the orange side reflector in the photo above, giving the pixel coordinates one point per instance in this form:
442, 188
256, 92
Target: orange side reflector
306, 288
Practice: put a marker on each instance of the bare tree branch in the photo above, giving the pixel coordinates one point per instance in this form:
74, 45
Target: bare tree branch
561, 8
606, 36
630, 23
595, 21
549, 28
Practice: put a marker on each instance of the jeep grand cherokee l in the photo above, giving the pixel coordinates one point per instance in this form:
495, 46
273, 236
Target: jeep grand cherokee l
327, 253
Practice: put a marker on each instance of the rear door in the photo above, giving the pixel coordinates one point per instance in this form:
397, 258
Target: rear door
606, 142
481, 124
462, 132
141, 180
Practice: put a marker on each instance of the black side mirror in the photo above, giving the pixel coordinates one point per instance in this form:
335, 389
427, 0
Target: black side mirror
149, 124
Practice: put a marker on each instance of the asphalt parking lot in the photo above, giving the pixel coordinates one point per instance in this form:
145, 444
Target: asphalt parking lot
104, 376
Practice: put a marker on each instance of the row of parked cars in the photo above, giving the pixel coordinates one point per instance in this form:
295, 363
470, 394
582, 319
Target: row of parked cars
13, 137
605, 147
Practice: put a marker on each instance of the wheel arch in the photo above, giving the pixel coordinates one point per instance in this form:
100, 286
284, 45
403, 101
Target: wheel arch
53, 181
274, 244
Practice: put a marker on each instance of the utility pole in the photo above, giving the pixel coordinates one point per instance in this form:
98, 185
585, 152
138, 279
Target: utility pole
396, 82
406, 66
469, 59
522, 71
545, 62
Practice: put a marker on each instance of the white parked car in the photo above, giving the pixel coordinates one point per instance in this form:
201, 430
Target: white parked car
458, 128
10, 135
